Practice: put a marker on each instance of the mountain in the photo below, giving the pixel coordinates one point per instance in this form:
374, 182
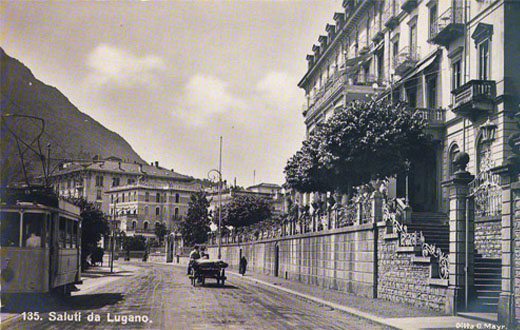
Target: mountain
70, 133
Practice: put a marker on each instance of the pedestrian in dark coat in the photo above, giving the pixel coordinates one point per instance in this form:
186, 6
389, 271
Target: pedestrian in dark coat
242, 266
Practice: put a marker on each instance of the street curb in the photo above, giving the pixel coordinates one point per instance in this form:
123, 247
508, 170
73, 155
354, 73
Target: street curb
348, 310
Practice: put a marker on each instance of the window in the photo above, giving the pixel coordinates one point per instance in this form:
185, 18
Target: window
146, 210
157, 224
431, 91
395, 48
176, 214
157, 211
130, 181
483, 156
134, 224
157, 198
99, 195
381, 65
99, 181
62, 237
456, 75
115, 181
123, 198
411, 94
483, 60
413, 38
453, 152
433, 20
145, 225
10, 229
177, 198
147, 197
74, 234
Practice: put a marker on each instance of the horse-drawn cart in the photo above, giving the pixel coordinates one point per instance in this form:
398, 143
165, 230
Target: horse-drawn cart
205, 268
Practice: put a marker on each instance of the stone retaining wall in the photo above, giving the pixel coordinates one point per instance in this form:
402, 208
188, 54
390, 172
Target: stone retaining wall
357, 259
404, 281
488, 240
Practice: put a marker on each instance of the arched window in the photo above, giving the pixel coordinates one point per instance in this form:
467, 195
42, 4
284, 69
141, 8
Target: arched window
134, 224
454, 150
157, 211
177, 198
176, 214
145, 225
157, 223
157, 198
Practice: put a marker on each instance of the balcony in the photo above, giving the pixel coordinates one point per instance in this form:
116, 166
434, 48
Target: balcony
433, 117
474, 98
390, 19
363, 50
409, 5
405, 60
448, 26
376, 32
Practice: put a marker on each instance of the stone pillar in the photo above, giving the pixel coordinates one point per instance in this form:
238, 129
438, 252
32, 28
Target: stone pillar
458, 193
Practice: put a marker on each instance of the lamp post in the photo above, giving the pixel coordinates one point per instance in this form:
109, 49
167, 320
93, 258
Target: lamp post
112, 240
213, 174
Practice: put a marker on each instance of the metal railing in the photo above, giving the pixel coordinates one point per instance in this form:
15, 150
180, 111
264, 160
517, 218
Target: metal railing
450, 16
406, 59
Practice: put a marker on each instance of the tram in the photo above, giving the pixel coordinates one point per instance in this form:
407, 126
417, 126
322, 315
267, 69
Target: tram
40, 242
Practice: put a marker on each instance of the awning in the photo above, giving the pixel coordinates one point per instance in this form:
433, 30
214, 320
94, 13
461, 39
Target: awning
425, 64
356, 60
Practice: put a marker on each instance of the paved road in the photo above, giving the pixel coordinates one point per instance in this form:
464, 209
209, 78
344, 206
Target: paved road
161, 297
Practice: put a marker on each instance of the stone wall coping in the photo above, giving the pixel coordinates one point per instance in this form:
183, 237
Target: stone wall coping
391, 236
438, 282
408, 249
488, 219
421, 260
349, 229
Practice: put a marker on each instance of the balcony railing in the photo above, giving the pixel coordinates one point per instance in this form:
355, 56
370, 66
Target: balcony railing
474, 97
405, 60
363, 83
433, 117
390, 19
376, 31
448, 26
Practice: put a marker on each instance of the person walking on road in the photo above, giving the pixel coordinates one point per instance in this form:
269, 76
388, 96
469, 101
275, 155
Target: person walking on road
242, 266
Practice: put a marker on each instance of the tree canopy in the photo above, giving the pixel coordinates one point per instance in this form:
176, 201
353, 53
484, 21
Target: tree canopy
161, 231
194, 227
365, 141
245, 210
93, 227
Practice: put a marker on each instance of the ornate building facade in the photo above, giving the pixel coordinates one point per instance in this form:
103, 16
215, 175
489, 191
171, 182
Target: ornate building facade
455, 63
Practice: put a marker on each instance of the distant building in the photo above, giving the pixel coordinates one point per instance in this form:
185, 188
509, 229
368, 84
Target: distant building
140, 207
91, 180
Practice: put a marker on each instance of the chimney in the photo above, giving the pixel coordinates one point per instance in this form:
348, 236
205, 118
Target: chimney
156, 164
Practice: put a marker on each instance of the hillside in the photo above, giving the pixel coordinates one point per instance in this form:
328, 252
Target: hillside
70, 133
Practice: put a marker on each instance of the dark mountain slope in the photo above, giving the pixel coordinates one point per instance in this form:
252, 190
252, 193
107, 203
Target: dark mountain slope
71, 133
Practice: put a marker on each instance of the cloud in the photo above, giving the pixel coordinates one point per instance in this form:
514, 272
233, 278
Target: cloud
111, 66
204, 98
278, 89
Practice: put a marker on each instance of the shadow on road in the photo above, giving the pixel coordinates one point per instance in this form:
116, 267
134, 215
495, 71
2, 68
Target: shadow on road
216, 286
46, 303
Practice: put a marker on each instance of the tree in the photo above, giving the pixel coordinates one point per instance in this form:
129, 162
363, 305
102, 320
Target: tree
194, 227
93, 227
365, 141
134, 243
161, 231
245, 210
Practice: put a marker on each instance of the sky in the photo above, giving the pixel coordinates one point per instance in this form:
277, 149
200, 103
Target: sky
172, 76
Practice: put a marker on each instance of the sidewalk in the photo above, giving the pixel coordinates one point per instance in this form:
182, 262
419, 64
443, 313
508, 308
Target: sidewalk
394, 315
93, 278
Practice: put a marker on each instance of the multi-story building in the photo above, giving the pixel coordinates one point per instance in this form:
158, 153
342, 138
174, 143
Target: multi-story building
91, 180
141, 206
455, 62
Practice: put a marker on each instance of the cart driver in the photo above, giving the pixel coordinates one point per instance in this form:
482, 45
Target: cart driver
194, 255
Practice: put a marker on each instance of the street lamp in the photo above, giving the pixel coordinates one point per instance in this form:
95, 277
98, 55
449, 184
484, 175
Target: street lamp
213, 175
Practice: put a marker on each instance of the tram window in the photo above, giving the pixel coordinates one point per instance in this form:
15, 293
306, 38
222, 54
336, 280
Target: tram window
70, 240
48, 231
10, 228
33, 229
74, 234
62, 233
